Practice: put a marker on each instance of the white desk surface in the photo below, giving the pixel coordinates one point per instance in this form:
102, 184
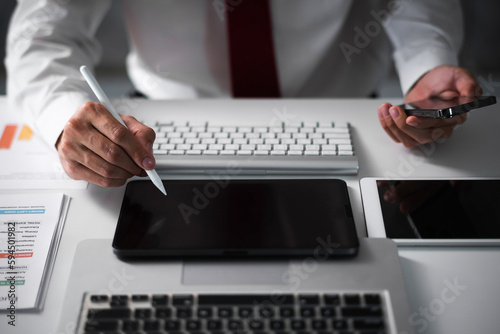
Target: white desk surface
472, 151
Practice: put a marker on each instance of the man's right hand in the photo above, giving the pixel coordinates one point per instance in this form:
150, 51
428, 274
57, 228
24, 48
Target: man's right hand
95, 147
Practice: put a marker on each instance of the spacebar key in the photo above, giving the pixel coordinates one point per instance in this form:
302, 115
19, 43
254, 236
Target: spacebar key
244, 299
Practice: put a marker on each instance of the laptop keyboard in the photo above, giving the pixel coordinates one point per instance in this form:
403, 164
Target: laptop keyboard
309, 313
290, 139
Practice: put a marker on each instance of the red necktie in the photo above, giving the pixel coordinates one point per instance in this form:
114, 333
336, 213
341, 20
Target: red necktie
251, 49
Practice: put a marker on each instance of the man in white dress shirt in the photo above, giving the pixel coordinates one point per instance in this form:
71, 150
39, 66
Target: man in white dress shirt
179, 49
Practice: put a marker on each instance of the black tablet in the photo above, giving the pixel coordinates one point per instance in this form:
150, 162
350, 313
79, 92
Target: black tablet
215, 217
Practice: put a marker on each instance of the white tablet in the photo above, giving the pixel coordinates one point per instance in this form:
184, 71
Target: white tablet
433, 211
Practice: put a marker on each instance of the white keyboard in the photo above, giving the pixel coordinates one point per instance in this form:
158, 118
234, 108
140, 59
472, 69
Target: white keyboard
297, 139
309, 142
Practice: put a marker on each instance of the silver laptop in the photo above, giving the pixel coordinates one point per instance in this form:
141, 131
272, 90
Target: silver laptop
205, 137
365, 294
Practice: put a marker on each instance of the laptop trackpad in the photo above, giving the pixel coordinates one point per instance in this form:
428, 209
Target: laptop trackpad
227, 272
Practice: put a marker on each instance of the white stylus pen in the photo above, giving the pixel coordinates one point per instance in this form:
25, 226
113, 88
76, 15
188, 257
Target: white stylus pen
96, 88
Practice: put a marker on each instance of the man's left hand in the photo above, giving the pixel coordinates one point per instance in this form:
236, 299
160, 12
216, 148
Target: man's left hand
443, 81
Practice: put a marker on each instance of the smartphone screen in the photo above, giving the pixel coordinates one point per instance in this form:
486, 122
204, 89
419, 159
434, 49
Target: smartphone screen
254, 217
441, 209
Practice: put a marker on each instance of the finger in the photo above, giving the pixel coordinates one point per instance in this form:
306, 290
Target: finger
397, 125
383, 114
78, 171
123, 137
143, 133
466, 84
429, 122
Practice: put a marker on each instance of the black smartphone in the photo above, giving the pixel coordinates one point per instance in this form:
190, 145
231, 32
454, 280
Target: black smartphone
436, 107
257, 217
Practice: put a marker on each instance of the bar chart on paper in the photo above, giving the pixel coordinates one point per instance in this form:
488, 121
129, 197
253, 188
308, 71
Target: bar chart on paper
29, 163
9, 134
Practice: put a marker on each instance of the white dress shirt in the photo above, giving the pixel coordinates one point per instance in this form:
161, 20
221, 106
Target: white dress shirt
178, 49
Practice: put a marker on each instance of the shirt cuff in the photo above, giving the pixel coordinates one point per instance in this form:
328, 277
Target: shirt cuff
412, 63
50, 123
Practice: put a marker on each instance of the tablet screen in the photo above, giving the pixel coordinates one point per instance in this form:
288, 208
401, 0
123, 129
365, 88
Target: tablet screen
200, 217
440, 209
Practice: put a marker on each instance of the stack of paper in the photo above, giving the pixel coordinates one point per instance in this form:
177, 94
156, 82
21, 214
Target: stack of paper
30, 230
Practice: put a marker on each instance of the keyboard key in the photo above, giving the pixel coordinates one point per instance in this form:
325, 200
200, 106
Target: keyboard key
204, 312
307, 312
244, 129
119, 301
213, 325
184, 312
372, 299
183, 147
193, 152
334, 141
344, 147
292, 152
278, 152
193, 325
102, 325
352, 299
237, 299
297, 325
172, 325
308, 299
244, 152
311, 152
162, 313
130, 325
266, 312
277, 325
176, 152
225, 312
287, 312
245, 312
356, 311
318, 324
224, 141
339, 324
210, 152
261, 152
240, 141
319, 141
312, 147
234, 325
328, 312
111, 313
142, 313
332, 299
328, 152
256, 324
99, 298
256, 141
227, 152
159, 300
365, 324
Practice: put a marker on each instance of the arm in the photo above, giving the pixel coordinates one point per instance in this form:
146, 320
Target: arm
47, 43
426, 36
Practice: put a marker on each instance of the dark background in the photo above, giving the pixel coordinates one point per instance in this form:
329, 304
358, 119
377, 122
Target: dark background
480, 54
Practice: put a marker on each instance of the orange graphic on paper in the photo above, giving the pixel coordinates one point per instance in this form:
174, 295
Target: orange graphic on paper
8, 136
16, 255
26, 133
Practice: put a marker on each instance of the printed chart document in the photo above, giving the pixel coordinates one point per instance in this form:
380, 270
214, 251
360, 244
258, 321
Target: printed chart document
30, 230
27, 161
